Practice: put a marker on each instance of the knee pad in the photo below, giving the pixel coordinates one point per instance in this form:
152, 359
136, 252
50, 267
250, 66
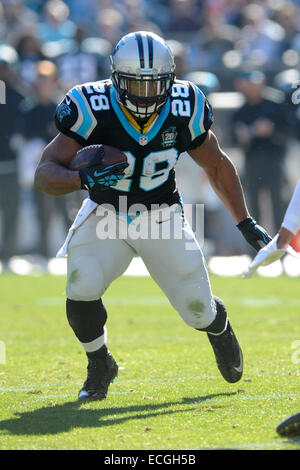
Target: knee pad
85, 279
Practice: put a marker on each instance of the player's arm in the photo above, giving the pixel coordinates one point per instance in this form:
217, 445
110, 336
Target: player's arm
75, 122
285, 237
291, 221
205, 150
52, 175
222, 175
225, 181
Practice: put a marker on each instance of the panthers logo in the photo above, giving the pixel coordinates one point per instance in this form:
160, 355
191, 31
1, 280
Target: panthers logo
63, 110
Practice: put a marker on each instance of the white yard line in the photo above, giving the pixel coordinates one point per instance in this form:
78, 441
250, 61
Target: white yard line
241, 397
25, 387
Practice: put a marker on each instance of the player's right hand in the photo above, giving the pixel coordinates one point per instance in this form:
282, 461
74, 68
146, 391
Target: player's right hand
97, 176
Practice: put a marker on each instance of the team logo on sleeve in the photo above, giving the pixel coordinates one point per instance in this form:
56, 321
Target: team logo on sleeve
63, 110
169, 137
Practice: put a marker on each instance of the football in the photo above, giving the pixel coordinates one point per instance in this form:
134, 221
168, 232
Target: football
107, 156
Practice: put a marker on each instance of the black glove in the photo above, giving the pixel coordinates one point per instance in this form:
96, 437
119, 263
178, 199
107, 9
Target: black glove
97, 176
254, 234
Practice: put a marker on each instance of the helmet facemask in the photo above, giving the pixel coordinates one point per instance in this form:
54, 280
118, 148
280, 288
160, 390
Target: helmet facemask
143, 95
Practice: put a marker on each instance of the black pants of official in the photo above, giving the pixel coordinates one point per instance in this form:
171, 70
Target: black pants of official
265, 174
9, 207
47, 208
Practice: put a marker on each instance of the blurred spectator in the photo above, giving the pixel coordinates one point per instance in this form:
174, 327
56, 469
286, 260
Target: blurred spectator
207, 82
232, 10
288, 81
83, 12
144, 26
179, 50
184, 16
30, 52
292, 25
36, 126
9, 188
135, 13
15, 19
36, 5
56, 25
260, 37
138, 16
262, 131
158, 13
110, 24
85, 60
287, 15
210, 44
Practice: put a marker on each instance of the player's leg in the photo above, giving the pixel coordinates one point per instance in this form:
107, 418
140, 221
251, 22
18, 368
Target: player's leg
92, 265
178, 266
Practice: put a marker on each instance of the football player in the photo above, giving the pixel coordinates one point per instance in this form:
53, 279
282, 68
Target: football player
152, 117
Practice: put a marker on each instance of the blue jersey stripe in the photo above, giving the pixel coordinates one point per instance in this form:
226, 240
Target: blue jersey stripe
87, 120
197, 115
129, 128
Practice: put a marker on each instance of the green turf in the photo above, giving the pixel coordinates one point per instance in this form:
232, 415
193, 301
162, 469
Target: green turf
169, 394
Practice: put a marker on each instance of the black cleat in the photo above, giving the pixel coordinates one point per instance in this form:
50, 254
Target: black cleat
227, 350
101, 372
289, 427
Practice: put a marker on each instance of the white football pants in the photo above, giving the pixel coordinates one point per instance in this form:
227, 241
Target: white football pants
101, 249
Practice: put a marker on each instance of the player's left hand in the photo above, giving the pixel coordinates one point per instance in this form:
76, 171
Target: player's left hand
254, 234
267, 255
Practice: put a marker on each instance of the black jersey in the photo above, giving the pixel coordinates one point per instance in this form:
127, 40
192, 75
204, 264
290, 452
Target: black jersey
91, 114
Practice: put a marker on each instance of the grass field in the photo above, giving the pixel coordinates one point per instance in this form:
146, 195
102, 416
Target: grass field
169, 394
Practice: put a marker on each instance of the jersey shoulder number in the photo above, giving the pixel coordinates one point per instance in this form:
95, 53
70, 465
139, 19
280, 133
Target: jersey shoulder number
78, 113
189, 102
181, 99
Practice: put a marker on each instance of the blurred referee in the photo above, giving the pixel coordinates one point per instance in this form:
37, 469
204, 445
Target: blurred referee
9, 187
260, 127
